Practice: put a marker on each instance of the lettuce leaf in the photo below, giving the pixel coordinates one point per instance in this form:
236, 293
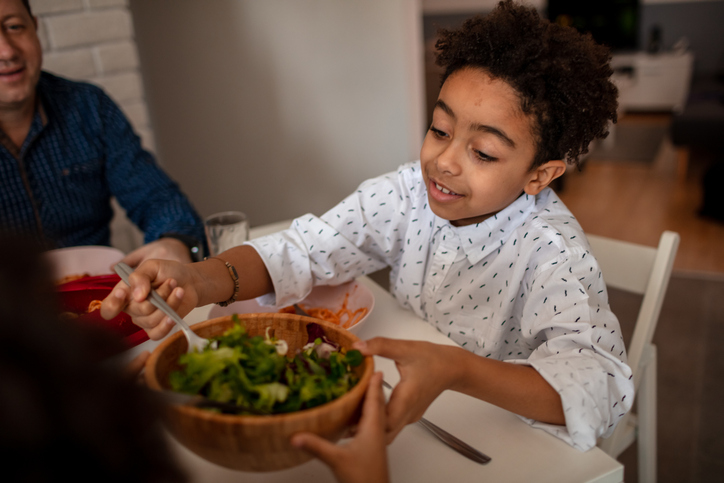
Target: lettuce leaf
249, 371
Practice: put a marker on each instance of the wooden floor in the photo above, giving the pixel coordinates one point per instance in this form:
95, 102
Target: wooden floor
636, 202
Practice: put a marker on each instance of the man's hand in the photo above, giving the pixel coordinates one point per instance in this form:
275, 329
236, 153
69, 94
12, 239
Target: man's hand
162, 249
426, 370
363, 459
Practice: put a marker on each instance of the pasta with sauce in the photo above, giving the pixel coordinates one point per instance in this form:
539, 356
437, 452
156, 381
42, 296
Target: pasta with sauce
92, 306
344, 317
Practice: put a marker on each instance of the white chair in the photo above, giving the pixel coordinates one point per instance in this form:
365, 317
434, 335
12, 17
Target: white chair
646, 271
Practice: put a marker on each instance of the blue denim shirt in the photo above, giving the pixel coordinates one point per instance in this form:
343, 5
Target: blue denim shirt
81, 151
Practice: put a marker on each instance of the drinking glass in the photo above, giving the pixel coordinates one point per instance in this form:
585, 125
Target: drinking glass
226, 230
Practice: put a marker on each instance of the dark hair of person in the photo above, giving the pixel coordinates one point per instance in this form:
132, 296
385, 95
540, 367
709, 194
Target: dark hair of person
65, 415
561, 76
26, 4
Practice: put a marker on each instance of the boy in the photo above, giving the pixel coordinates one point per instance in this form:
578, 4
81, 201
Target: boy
478, 245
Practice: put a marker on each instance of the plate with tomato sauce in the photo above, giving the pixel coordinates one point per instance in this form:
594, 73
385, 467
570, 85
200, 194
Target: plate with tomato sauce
84, 277
347, 305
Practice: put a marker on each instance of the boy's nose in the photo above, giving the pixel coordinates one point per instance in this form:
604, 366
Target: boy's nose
448, 161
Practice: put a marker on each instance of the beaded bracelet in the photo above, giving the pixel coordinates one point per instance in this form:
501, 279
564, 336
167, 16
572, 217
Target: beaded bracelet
234, 276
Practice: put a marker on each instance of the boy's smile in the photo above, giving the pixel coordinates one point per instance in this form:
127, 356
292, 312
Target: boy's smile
477, 155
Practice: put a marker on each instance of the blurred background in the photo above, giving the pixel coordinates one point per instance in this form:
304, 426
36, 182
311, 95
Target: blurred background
282, 107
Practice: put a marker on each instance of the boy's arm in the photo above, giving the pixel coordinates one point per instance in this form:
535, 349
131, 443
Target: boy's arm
185, 286
427, 369
362, 234
579, 361
312, 252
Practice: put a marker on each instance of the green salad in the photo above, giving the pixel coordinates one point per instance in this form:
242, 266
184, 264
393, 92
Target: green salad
258, 373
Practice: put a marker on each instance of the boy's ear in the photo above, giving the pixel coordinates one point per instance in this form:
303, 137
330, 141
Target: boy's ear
543, 175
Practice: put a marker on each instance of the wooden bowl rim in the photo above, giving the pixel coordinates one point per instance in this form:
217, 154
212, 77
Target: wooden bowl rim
253, 420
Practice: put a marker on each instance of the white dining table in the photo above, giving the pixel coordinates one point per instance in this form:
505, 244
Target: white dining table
519, 452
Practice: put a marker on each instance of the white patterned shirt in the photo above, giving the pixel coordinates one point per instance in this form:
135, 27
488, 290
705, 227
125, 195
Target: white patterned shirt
521, 286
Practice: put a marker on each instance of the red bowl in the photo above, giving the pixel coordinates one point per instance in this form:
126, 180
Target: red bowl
76, 296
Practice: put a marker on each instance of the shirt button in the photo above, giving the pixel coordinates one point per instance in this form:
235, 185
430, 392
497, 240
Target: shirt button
65, 172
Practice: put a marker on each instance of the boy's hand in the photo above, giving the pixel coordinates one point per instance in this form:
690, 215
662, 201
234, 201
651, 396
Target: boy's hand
426, 370
173, 281
363, 459
185, 286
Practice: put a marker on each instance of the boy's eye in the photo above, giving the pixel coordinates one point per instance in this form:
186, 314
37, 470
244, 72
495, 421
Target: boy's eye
484, 157
437, 132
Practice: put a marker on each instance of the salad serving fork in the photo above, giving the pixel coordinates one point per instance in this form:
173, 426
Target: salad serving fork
195, 342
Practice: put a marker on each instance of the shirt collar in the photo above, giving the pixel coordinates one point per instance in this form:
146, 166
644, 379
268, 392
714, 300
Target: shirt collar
481, 239
40, 120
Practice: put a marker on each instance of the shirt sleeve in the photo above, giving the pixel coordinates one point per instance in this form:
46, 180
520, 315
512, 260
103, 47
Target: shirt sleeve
583, 354
151, 199
358, 236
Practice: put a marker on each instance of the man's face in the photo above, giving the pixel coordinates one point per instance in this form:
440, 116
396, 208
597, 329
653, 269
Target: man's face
20, 55
477, 155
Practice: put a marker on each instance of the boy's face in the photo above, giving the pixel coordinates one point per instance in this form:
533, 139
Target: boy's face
477, 155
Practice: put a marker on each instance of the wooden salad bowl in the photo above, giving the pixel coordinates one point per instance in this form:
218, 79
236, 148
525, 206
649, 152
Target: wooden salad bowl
256, 443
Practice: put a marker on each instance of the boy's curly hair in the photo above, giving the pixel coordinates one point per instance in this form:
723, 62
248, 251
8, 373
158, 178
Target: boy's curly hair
561, 76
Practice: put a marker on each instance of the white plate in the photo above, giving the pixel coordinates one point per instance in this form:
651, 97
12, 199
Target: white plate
330, 297
93, 260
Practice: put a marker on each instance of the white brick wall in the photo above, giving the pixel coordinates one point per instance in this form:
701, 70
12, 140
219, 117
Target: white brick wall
80, 29
106, 3
122, 87
92, 41
118, 56
42, 7
77, 64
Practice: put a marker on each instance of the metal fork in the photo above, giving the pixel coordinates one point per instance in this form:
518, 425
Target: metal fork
455, 443
195, 342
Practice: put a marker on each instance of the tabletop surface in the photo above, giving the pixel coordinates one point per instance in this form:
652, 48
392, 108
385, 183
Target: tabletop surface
519, 452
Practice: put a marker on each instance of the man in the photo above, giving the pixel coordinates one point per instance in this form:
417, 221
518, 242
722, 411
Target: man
66, 149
